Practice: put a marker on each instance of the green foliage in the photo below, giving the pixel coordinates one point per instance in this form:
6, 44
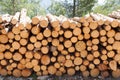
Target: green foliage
12, 6
71, 9
108, 7
57, 8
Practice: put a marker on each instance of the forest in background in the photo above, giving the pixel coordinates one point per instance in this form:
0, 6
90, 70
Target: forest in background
69, 8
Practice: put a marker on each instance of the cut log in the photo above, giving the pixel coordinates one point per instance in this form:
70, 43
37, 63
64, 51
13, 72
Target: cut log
113, 65
3, 39
26, 73
77, 61
35, 30
51, 70
80, 45
17, 73
15, 45
94, 72
17, 57
45, 59
71, 71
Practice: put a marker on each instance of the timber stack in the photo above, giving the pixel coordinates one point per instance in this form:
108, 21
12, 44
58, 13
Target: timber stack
51, 45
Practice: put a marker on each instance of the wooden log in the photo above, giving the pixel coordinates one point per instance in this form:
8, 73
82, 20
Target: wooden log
33, 39
77, 61
26, 73
35, 30
61, 59
35, 20
61, 38
80, 45
43, 67
103, 57
96, 61
80, 37
30, 46
71, 49
39, 36
8, 55
60, 47
22, 50
83, 68
107, 27
15, 30
116, 45
23, 42
44, 42
94, 72
74, 39
70, 71
45, 72
68, 34
57, 65
3, 72
116, 73
95, 41
17, 56
67, 43
111, 33
86, 62
10, 35
114, 23
90, 57
85, 73
86, 36
91, 66
37, 55
28, 26
117, 36
36, 68
58, 73
28, 65
44, 50
53, 59
55, 42
51, 70
113, 65
3, 39
102, 67
111, 54
21, 66
76, 31
116, 57
3, 62
29, 54
2, 48
68, 63
67, 56
43, 22
24, 34
37, 44
45, 59
17, 37
94, 34
55, 34
93, 25
110, 40
47, 32
86, 30
83, 53
96, 54
15, 45
55, 53
103, 32
17, 73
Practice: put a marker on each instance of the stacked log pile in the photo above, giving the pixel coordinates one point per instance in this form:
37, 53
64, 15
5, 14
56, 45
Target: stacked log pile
51, 45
